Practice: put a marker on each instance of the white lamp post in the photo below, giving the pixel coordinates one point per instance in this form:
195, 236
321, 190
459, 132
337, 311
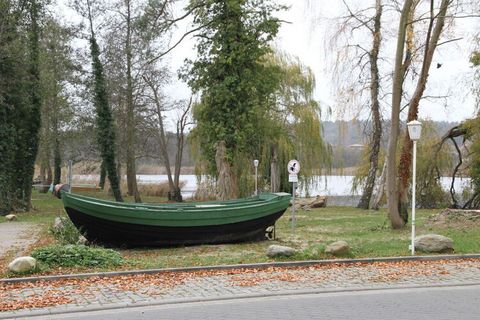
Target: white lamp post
255, 163
414, 132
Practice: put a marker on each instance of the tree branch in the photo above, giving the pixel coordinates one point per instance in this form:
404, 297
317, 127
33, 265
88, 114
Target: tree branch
176, 44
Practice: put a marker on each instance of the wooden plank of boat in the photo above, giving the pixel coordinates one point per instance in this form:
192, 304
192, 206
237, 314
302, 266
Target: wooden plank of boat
121, 224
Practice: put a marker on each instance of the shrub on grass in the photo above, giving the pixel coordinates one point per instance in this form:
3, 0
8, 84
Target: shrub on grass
65, 232
77, 256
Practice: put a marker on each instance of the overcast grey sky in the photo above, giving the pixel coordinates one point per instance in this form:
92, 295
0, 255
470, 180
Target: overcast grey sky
304, 37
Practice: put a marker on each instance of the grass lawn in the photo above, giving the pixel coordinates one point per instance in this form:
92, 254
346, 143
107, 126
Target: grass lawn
368, 233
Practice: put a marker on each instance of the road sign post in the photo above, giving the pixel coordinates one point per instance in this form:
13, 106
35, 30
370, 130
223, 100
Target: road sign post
293, 168
255, 164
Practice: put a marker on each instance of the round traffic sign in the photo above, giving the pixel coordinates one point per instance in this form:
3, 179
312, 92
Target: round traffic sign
293, 166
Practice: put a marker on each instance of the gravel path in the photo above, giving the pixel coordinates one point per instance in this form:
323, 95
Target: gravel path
16, 236
77, 294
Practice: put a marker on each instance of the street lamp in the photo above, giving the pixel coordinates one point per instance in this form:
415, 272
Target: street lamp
255, 163
414, 132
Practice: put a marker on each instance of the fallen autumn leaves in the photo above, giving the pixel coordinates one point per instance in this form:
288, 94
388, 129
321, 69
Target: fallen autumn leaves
41, 294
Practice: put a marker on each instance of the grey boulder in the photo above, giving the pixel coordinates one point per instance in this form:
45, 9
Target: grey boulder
433, 243
58, 224
82, 240
280, 251
11, 217
22, 264
337, 248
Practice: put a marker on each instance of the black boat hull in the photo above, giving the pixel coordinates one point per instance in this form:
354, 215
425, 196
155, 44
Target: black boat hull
120, 234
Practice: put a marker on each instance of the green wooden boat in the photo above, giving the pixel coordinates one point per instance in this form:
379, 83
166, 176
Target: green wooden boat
130, 224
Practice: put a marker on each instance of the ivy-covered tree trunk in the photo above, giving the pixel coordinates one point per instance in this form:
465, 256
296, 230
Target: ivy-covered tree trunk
397, 90
7, 134
226, 181
34, 118
20, 103
57, 162
435, 29
103, 175
105, 128
11, 102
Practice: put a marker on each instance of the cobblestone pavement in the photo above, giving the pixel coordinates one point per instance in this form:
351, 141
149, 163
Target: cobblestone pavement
74, 294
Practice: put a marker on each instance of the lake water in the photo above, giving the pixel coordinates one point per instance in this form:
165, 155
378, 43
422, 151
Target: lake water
325, 185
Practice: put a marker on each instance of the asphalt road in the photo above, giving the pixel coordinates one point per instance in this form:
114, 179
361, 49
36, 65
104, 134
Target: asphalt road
460, 302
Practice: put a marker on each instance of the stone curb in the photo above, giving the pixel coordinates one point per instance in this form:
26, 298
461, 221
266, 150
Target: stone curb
242, 266
77, 309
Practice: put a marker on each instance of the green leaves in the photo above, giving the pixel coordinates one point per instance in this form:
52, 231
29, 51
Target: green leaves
20, 102
475, 58
105, 125
253, 100
235, 85
77, 256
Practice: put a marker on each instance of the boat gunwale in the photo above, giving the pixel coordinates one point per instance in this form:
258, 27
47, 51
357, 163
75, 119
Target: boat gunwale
256, 202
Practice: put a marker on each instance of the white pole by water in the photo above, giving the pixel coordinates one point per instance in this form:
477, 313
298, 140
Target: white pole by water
413, 194
414, 131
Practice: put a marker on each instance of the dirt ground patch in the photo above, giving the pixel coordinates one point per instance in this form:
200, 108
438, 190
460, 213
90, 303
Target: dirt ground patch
15, 237
455, 218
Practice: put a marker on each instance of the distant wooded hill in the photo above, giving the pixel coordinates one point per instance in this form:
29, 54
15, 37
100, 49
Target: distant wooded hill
347, 138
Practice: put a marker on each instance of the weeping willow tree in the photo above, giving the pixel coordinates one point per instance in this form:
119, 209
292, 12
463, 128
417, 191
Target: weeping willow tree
434, 160
289, 127
293, 126
469, 130
430, 193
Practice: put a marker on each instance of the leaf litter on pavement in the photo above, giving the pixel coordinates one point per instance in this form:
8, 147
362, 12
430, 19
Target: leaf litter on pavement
43, 293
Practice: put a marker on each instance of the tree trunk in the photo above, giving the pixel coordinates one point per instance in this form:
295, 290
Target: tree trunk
177, 194
49, 175
172, 193
131, 169
397, 89
45, 175
181, 124
380, 189
34, 116
431, 42
105, 127
103, 175
226, 183
274, 171
375, 109
57, 162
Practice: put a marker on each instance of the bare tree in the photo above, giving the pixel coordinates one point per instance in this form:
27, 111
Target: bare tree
154, 96
352, 60
397, 88
375, 109
130, 147
435, 28
398, 190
